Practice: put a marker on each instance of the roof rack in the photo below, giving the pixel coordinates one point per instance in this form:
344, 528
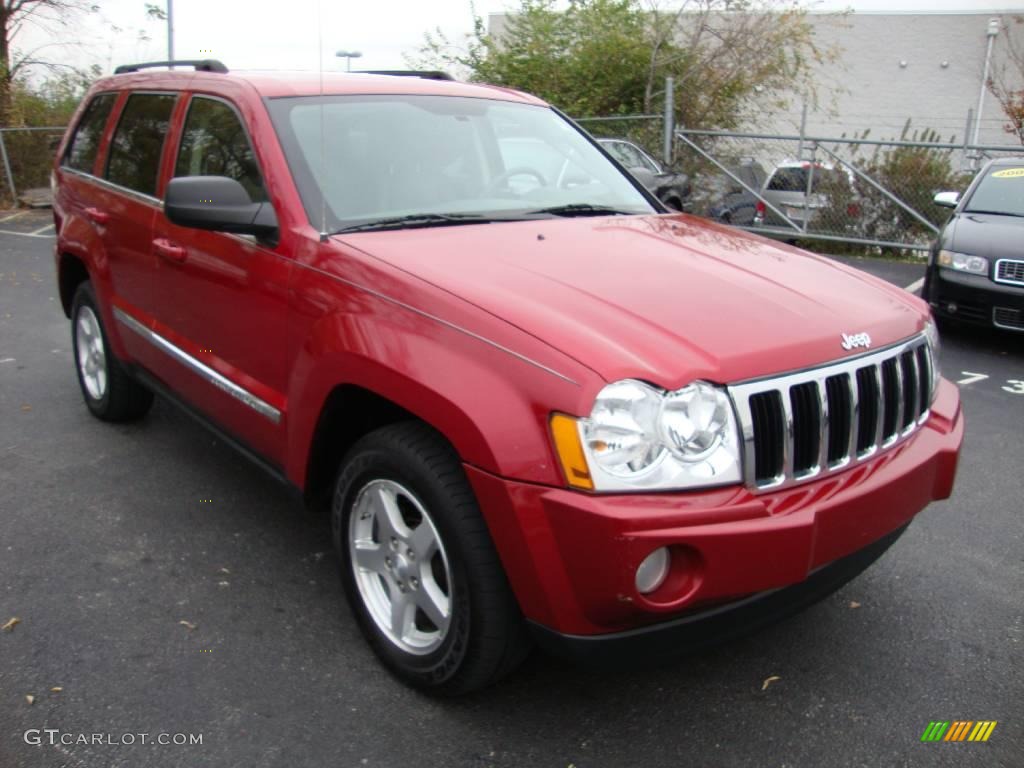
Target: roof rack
201, 65
426, 74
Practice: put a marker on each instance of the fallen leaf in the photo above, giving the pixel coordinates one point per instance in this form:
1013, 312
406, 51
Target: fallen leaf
768, 681
854, 604
223, 570
223, 583
56, 689
187, 624
11, 624
30, 699
26, 408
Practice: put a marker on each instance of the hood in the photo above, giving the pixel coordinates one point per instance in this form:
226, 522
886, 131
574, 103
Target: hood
986, 234
667, 299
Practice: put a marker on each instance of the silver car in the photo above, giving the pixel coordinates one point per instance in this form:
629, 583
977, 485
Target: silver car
787, 189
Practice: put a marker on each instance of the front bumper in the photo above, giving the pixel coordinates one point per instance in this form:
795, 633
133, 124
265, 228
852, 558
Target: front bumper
974, 299
571, 557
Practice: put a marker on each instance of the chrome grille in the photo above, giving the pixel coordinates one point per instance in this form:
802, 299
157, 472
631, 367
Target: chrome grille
811, 423
1010, 271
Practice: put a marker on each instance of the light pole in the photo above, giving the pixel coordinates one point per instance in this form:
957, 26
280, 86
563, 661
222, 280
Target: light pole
993, 30
170, 30
348, 56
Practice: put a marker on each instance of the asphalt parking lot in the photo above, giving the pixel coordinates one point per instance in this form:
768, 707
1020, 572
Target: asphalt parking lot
166, 586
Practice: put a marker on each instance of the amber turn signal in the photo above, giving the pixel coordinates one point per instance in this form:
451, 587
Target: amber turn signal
570, 451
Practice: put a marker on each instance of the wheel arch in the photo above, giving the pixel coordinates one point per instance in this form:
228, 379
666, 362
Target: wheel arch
347, 414
71, 272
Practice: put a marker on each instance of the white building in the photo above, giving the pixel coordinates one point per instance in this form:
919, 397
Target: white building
893, 66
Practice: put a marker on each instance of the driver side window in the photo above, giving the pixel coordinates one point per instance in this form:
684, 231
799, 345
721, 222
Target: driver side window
214, 143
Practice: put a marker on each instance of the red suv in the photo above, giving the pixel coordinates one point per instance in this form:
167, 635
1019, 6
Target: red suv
539, 407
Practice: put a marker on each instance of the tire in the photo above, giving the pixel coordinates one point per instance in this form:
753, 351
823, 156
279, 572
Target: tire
109, 392
402, 489
674, 203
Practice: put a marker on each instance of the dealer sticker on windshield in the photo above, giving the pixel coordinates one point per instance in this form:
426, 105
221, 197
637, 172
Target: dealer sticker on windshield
1009, 173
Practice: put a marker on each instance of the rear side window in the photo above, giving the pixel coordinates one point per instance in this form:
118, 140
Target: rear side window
795, 179
214, 143
789, 180
81, 154
139, 140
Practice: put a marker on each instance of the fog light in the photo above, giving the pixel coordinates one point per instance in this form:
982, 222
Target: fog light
652, 571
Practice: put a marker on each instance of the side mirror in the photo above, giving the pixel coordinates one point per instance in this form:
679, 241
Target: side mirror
217, 203
947, 199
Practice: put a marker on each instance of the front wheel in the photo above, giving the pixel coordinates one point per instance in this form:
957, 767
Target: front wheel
418, 564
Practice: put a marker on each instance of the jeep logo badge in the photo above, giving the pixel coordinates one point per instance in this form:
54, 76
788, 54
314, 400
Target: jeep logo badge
856, 340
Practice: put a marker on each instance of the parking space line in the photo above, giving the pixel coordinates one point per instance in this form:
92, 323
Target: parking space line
24, 234
915, 286
41, 230
13, 216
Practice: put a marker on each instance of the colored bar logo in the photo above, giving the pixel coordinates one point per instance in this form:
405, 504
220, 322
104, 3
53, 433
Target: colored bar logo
958, 730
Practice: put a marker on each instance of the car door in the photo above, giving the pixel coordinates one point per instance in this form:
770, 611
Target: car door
223, 299
121, 205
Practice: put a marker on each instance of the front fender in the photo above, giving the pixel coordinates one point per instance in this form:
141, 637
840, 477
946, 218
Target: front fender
490, 403
488, 387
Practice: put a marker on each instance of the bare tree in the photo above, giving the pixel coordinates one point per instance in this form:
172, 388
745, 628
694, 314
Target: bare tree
1007, 83
51, 18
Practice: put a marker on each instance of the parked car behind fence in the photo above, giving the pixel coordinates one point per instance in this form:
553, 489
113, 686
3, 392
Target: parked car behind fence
673, 189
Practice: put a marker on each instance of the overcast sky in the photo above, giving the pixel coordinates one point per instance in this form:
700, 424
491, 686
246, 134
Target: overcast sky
260, 34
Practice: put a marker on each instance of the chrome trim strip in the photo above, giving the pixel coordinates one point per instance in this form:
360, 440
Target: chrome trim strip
872, 449
1004, 280
851, 449
824, 425
898, 426
916, 380
139, 196
741, 392
244, 396
442, 321
787, 439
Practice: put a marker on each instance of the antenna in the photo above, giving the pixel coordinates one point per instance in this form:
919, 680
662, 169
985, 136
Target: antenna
323, 134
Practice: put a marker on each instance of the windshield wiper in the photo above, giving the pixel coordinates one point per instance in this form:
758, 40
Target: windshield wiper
416, 220
580, 209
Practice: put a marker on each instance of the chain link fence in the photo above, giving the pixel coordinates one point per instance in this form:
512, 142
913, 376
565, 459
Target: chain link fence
855, 195
862, 193
27, 158
646, 131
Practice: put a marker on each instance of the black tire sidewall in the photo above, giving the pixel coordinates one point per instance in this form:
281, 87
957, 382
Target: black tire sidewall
374, 463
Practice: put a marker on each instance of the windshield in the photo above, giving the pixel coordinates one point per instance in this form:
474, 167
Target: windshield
386, 157
795, 179
1001, 191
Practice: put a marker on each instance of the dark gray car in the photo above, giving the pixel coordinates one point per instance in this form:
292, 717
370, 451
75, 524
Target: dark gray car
673, 189
976, 266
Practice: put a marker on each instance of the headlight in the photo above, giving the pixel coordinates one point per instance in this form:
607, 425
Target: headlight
962, 262
642, 438
931, 332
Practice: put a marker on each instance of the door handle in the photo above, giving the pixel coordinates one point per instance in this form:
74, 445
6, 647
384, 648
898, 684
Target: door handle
169, 250
98, 216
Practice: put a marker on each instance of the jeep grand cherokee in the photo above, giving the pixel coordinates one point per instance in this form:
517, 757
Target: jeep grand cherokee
538, 407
